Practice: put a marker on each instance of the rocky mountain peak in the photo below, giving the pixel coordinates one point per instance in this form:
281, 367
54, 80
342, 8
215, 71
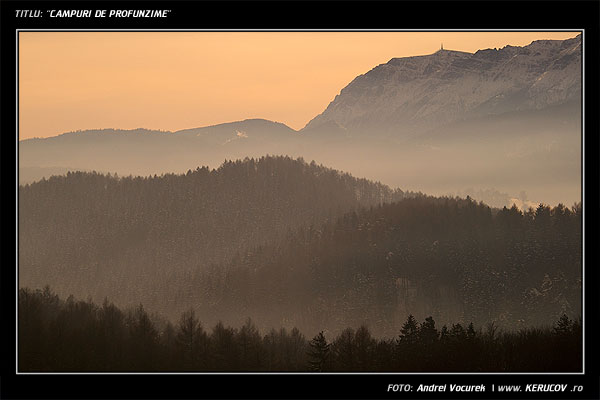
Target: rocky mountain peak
417, 93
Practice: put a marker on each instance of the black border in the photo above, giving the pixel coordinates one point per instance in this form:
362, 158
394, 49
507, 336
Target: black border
299, 15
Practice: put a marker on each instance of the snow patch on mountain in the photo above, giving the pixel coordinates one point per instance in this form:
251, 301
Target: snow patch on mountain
414, 94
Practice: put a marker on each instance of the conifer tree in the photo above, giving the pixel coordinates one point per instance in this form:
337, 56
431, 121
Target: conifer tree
318, 353
563, 325
409, 334
191, 339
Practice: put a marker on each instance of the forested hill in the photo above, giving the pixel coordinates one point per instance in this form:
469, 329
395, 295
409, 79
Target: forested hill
288, 243
450, 258
135, 239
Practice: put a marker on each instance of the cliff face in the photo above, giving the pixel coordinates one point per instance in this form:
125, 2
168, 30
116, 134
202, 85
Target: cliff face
415, 94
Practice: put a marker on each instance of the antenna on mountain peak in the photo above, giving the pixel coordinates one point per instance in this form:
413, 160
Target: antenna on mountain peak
442, 46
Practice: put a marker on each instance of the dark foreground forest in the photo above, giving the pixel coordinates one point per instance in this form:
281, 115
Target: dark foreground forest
71, 335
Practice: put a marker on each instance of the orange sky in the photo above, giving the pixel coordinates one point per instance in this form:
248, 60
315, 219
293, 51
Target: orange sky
176, 80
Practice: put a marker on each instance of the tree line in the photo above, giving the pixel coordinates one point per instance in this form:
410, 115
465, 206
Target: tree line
289, 243
454, 259
136, 239
74, 335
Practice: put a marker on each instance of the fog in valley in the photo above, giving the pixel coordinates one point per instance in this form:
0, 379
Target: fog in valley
435, 203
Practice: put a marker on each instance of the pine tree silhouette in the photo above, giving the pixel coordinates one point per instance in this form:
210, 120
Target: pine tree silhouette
318, 353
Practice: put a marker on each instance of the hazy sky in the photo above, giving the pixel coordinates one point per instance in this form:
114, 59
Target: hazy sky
176, 80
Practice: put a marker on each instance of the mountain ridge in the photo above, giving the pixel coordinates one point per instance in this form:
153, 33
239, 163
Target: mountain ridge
240, 123
520, 106
424, 65
420, 92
